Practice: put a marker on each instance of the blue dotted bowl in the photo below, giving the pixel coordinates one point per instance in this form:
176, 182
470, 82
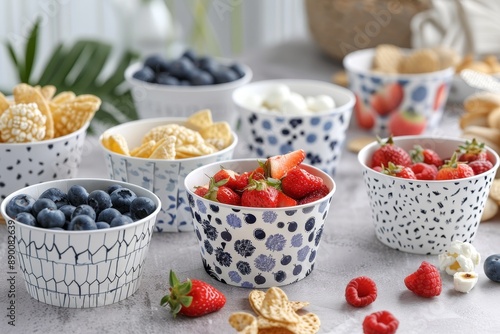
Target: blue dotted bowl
256, 247
321, 135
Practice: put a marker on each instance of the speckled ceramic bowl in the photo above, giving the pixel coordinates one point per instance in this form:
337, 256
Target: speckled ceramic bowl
163, 177
81, 269
320, 134
424, 217
256, 247
24, 164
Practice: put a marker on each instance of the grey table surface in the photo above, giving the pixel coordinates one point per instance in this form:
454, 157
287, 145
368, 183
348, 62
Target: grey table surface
348, 249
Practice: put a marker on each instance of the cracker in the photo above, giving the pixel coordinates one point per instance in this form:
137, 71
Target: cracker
490, 209
448, 57
164, 149
387, 58
200, 119
307, 324
47, 91
275, 306
218, 130
420, 61
190, 150
494, 118
4, 103
71, 116
473, 119
63, 97
144, 151
244, 323
183, 135
356, 144
495, 191
490, 134
24, 93
256, 297
116, 143
482, 102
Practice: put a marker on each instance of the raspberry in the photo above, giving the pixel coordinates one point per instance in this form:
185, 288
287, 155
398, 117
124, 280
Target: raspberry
480, 166
361, 291
426, 281
424, 171
382, 322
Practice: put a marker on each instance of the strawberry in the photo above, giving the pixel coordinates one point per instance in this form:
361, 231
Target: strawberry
192, 297
480, 166
201, 190
227, 195
388, 152
315, 195
381, 322
284, 200
259, 194
424, 171
241, 182
278, 165
228, 175
298, 183
454, 169
361, 291
407, 122
472, 150
426, 281
364, 117
426, 155
399, 171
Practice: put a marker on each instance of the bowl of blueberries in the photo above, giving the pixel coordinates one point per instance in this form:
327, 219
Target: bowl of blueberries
81, 243
177, 87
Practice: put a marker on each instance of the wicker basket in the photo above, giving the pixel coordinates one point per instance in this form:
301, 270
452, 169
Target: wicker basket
342, 26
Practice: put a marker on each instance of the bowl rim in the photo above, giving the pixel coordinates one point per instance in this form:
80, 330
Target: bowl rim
371, 145
346, 62
336, 110
129, 71
162, 121
247, 160
78, 181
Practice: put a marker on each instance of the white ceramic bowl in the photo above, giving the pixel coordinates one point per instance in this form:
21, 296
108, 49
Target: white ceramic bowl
24, 164
256, 247
424, 217
382, 98
154, 100
81, 269
320, 134
163, 177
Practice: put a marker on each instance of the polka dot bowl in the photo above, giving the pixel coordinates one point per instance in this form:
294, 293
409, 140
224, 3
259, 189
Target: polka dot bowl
81, 269
424, 217
398, 104
256, 247
164, 177
321, 135
24, 164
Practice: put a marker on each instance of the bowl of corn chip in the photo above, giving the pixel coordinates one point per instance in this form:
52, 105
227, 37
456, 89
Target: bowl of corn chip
41, 135
158, 153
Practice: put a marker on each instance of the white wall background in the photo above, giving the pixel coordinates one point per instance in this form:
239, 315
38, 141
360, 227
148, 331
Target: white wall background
232, 27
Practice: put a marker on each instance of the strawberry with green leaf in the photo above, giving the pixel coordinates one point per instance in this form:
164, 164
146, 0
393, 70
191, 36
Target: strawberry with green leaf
425, 155
471, 151
454, 169
260, 194
192, 297
389, 152
404, 172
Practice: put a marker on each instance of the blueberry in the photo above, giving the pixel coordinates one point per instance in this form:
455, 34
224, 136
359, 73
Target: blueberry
144, 74
102, 225
492, 267
224, 74
56, 195
141, 207
113, 188
77, 195
202, 78
190, 54
238, 69
121, 199
50, 217
82, 223
84, 210
107, 215
68, 211
166, 79
26, 218
208, 64
121, 220
184, 83
99, 200
183, 68
157, 63
41, 204
20, 203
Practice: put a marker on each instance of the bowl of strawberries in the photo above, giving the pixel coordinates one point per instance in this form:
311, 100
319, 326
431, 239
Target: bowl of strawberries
259, 222
427, 191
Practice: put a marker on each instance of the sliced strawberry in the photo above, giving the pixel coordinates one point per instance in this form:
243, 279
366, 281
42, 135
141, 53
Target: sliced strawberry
279, 165
299, 183
227, 195
285, 201
226, 174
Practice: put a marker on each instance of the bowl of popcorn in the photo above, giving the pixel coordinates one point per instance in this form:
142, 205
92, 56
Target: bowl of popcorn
425, 192
279, 116
259, 223
399, 91
81, 243
158, 153
179, 86
41, 135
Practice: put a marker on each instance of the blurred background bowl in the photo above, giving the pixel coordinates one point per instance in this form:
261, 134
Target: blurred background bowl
24, 164
154, 100
256, 247
424, 217
82, 269
398, 104
320, 134
163, 177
